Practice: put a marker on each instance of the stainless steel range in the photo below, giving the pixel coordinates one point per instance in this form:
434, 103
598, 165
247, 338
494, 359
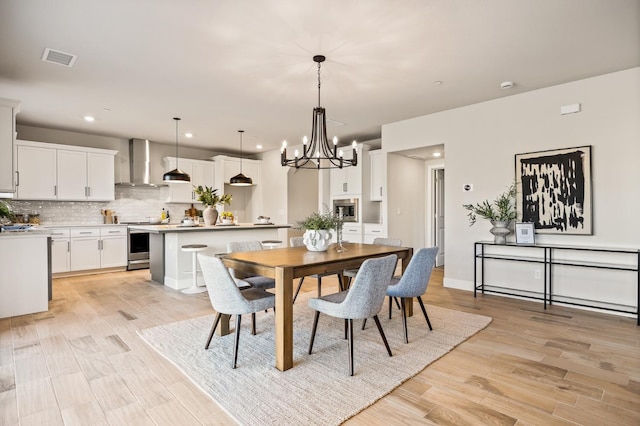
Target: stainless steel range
138, 247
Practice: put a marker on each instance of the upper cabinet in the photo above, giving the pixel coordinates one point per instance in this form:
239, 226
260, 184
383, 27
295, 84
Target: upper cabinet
377, 175
8, 110
202, 172
347, 180
230, 167
62, 172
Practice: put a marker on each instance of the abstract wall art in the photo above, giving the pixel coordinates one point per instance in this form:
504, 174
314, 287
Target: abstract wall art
554, 190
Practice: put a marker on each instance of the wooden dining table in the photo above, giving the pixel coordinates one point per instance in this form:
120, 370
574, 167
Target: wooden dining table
286, 264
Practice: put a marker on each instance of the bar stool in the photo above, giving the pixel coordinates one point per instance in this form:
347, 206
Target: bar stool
194, 249
271, 244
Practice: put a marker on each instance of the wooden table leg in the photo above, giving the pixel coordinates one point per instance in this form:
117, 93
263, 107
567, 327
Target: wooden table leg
223, 327
408, 302
284, 318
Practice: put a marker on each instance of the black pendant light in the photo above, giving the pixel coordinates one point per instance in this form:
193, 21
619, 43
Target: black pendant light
176, 175
240, 179
319, 153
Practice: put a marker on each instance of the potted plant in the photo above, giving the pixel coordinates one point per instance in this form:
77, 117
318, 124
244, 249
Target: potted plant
500, 212
227, 218
6, 214
318, 226
207, 196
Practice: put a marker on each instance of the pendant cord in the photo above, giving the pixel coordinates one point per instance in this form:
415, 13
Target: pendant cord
318, 84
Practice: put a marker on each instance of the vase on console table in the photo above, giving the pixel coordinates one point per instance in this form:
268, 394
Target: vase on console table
500, 230
210, 215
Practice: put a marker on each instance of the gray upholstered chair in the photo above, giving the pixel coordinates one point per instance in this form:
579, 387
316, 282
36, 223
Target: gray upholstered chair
297, 242
363, 300
413, 283
351, 273
227, 299
256, 281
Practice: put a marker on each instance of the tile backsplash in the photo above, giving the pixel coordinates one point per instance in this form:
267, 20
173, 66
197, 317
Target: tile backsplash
131, 204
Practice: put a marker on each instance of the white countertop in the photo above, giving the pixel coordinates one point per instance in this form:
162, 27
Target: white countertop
161, 229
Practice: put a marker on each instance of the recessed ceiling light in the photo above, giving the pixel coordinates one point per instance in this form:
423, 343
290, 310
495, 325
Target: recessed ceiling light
437, 154
108, 109
437, 83
188, 135
506, 85
258, 146
89, 118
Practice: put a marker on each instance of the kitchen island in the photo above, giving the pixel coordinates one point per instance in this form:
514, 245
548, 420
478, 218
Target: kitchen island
170, 266
25, 272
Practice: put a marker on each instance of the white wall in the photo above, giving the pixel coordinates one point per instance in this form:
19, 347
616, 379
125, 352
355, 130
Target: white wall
406, 200
481, 141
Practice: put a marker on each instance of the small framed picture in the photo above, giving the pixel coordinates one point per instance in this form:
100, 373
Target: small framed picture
525, 233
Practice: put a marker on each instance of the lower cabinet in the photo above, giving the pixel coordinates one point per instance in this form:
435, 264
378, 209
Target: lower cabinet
352, 233
373, 231
60, 251
79, 249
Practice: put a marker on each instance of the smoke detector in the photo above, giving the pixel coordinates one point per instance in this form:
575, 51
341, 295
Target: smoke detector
58, 57
506, 85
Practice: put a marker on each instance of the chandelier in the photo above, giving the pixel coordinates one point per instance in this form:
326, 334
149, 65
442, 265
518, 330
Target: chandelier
318, 153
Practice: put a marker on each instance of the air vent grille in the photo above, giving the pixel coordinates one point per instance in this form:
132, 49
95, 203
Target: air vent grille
58, 57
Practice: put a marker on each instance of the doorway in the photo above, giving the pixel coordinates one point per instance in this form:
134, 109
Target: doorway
438, 213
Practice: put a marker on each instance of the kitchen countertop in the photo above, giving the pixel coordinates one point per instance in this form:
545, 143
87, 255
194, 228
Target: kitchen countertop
162, 229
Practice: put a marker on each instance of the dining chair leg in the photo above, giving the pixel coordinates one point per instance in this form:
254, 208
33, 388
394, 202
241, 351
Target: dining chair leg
313, 330
404, 320
216, 320
340, 281
319, 286
350, 340
390, 306
346, 329
297, 290
424, 311
384, 338
253, 323
237, 340
364, 323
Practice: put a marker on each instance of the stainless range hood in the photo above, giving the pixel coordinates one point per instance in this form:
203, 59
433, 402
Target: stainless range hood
140, 165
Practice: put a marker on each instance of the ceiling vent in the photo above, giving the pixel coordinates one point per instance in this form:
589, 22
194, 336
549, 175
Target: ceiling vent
58, 57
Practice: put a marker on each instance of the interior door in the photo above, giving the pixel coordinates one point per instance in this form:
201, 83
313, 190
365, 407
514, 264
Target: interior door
438, 231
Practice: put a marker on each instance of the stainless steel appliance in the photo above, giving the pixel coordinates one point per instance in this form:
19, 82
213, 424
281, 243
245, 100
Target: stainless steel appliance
349, 209
138, 247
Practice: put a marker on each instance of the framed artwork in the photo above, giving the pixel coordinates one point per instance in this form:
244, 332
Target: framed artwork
553, 190
525, 233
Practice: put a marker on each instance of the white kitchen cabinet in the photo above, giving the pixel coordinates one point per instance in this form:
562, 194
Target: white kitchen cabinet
8, 110
352, 232
371, 231
100, 176
377, 175
85, 248
113, 246
250, 168
63, 172
36, 173
202, 173
347, 180
60, 251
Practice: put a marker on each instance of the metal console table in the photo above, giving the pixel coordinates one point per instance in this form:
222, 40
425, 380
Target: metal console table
545, 255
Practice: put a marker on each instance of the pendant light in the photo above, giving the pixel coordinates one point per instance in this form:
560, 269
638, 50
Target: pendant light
240, 179
176, 175
319, 153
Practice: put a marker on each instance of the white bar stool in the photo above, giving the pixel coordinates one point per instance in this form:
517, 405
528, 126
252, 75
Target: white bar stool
271, 244
194, 249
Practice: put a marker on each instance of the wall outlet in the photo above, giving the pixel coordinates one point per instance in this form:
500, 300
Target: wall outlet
537, 274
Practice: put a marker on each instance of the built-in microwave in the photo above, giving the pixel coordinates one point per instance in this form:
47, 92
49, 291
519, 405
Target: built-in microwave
348, 207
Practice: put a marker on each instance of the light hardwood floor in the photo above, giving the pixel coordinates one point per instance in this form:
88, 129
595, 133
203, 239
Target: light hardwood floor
82, 363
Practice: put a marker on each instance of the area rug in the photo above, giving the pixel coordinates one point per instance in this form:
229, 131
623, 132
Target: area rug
318, 389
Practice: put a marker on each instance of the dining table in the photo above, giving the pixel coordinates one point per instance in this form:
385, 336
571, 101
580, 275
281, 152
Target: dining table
287, 264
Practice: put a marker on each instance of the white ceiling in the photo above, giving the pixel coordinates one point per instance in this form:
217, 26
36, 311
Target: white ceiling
228, 65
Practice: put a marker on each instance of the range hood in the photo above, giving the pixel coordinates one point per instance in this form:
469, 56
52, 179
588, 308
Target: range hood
140, 165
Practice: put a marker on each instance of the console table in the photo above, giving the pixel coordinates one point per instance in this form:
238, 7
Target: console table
550, 255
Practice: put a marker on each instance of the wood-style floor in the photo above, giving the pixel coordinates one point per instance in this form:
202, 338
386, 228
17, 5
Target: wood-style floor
82, 363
